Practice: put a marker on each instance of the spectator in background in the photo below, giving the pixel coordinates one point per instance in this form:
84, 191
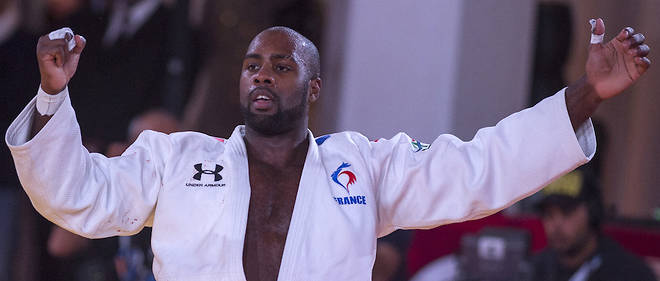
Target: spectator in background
571, 211
16, 71
141, 57
390, 263
156, 119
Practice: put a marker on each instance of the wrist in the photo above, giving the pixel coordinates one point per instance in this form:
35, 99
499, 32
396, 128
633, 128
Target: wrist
49, 89
47, 104
582, 100
584, 91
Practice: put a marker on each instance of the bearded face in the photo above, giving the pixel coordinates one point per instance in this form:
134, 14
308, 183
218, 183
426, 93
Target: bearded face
284, 118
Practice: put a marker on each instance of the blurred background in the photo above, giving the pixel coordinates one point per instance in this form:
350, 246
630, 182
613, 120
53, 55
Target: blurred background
424, 67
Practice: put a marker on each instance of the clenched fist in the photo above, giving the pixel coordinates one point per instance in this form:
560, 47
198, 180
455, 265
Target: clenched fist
56, 63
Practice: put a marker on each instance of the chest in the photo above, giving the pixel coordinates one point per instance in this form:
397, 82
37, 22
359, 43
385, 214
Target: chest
272, 197
256, 215
272, 200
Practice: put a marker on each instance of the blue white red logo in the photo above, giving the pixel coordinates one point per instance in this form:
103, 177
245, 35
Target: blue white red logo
418, 146
340, 171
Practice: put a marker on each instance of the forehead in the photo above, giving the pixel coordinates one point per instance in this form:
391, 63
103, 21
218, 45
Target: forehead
270, 43
568, 213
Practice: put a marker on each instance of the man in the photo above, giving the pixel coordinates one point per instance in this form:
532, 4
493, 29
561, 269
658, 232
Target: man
577, 249
271, 202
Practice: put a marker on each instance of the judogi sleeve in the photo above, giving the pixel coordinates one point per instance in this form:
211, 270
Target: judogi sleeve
86, 193
418, 186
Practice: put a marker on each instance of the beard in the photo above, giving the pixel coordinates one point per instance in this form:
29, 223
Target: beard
284, 120
576, 247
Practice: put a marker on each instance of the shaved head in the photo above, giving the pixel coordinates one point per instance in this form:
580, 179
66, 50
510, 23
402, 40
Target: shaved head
307, 51
280, 78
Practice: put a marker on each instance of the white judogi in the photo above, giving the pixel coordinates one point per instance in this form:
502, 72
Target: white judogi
194, 189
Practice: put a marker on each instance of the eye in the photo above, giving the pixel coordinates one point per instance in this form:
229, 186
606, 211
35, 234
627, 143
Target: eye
252, 67
282, 68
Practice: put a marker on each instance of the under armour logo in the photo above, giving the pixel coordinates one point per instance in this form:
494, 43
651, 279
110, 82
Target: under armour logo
200, 171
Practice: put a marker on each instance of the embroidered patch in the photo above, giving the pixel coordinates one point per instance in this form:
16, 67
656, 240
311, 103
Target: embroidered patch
351, 178
418, 146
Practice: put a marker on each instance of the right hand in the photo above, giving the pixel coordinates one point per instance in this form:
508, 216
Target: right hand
56, 63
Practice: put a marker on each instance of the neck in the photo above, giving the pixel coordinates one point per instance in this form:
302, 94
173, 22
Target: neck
279, 150
578, 257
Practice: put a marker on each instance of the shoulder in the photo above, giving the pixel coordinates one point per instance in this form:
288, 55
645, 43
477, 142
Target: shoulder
357, 140
619, 261
544, 256
340, 138
195, 136
179, 139
544, 264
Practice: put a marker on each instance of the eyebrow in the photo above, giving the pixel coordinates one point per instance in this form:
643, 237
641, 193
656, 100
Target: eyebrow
274, 56
279, 56
252, 56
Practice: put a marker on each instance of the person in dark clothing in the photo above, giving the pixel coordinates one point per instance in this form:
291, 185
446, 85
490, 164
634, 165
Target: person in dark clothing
139, 33
577, 249
16, 71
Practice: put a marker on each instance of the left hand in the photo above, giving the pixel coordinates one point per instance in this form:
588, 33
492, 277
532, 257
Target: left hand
614, 66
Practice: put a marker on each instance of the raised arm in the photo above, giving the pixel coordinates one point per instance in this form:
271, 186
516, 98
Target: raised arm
85, 193
57, 65
452, 180
611, 68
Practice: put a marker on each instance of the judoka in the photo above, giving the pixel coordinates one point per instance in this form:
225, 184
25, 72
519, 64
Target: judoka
274, 202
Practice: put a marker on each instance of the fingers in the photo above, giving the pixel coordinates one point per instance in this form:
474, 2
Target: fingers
643, 61
57, 50
634, 40
597, 30
52, 50
640, 51
62, 53
642, 64
59, 58
625, 33
80, 44
597, 26
67, 37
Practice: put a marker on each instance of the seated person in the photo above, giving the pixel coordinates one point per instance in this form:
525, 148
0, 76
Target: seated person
571, 212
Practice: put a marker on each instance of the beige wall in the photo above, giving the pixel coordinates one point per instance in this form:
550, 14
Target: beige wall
632, 157
412, 67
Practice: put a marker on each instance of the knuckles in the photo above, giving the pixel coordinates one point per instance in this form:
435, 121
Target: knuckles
44, 42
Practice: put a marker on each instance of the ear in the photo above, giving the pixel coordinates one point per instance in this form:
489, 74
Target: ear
314, 89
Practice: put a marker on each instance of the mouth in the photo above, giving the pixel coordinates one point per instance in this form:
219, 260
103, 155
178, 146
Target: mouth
262, 98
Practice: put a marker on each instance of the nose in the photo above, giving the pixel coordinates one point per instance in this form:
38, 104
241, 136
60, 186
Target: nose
552, 220
263, 77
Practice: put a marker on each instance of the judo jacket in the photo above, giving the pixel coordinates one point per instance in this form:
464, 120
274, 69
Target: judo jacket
194, 189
